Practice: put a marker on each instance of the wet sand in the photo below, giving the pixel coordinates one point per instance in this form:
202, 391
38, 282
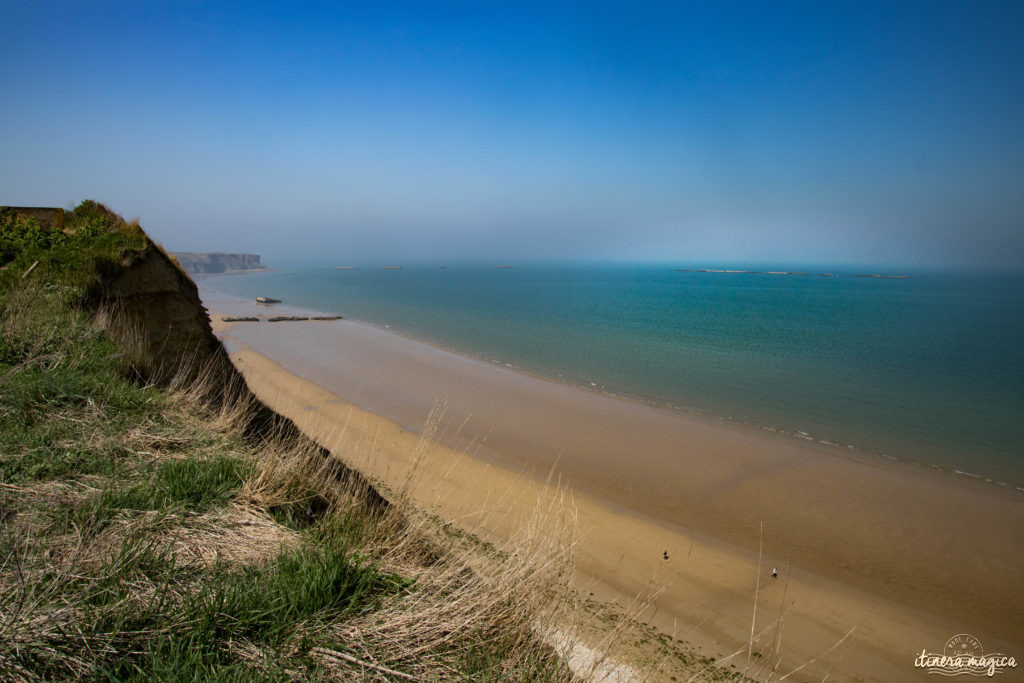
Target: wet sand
906, 556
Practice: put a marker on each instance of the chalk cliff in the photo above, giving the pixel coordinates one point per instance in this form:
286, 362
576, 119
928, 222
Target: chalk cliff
217, 262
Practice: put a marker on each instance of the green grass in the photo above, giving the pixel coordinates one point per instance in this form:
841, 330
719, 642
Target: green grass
306, 586
193, 484
64, 421
267, 607
65, 400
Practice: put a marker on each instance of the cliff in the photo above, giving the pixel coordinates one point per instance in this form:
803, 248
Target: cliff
155, 306
130, 284
140, 297
148, 303
218, 262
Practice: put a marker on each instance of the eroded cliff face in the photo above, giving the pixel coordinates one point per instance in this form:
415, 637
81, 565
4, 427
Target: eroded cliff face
202, 263
152, 305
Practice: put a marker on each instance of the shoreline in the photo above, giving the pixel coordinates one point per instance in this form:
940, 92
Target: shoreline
783, 484
920, 466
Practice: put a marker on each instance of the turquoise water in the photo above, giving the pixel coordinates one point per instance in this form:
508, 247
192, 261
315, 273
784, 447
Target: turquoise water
928, 369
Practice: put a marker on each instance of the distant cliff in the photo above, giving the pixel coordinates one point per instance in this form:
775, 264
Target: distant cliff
195, 264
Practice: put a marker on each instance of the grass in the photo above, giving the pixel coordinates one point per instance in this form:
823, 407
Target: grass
194, 484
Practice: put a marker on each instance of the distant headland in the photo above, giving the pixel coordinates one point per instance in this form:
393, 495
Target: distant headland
217, 262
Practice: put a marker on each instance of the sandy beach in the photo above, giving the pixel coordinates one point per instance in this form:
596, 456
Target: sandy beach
903, 557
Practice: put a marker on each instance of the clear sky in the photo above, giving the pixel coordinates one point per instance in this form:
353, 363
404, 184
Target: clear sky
886, 133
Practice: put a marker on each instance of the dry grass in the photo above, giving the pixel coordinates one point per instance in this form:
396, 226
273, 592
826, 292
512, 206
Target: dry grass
470, 603
97, 567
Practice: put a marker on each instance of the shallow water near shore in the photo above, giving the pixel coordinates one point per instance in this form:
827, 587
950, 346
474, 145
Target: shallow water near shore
926, 369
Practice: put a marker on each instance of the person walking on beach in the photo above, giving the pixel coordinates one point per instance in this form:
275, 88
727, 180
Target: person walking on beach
775, 572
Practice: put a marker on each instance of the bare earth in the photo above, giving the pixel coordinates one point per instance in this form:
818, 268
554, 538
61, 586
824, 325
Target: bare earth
904, 557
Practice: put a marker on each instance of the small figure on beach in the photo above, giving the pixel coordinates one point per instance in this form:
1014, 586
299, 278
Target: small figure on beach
775, 572
665, 555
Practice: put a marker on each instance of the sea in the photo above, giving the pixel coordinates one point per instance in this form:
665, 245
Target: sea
926, 368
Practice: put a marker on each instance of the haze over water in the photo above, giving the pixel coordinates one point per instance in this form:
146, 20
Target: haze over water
926, 369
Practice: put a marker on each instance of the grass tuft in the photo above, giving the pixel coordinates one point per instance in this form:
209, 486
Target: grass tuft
195, 484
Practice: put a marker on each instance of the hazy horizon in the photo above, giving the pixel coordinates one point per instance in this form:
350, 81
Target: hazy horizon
838, 268
885, 134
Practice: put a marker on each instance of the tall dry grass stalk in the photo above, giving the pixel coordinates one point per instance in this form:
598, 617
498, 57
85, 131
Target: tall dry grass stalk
468, 596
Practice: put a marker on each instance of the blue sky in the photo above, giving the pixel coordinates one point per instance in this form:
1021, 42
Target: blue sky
877, 133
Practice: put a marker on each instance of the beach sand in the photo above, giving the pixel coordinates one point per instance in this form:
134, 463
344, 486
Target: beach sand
905, 557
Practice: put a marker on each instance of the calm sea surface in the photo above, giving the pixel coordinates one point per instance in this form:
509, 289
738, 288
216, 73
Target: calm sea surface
928, 369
